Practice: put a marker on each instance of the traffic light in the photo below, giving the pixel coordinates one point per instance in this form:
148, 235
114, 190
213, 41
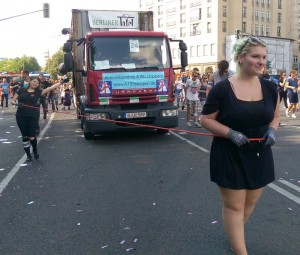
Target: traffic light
268, 64
46, 10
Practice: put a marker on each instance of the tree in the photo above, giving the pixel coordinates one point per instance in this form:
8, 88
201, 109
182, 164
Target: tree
30, 63
53, 63
15, 65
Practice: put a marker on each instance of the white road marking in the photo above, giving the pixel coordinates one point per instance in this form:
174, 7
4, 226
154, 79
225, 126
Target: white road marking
291, 185
189, 142
16, 168
284, 193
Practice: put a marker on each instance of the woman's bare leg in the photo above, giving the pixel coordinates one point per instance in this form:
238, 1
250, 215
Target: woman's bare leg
251, 198
233, 218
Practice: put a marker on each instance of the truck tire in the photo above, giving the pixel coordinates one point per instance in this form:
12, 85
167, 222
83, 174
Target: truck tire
82, 118
89, 136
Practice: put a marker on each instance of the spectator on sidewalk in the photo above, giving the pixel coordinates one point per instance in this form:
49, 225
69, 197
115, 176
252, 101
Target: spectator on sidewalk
192, 99
292, 84
4, 87
221, 74
44, 98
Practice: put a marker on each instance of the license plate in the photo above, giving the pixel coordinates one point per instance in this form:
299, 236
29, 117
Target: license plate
132, 115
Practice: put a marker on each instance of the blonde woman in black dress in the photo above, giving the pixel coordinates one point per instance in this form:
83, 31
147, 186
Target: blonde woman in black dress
236, 110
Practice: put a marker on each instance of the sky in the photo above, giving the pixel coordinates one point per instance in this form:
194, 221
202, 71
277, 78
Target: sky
33, 35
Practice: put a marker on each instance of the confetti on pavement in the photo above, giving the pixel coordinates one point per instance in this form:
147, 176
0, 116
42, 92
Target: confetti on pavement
130, 249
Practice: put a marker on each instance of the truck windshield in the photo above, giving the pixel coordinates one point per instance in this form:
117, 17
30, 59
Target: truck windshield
128, 53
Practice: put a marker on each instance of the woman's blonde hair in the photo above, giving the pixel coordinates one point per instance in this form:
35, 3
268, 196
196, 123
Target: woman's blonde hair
241, 47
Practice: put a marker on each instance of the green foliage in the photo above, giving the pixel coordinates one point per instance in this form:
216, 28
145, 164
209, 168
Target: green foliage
30, 63
52, 63
17, 64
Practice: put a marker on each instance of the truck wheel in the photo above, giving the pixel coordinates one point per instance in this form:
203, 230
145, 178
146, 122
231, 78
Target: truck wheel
89, 136
162, 131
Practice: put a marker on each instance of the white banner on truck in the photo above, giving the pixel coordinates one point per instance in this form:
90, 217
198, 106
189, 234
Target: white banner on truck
114, 19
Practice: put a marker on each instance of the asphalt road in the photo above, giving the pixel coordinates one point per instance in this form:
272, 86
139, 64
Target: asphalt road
135, 192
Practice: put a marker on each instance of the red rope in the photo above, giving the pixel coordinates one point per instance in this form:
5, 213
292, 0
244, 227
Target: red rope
144, 125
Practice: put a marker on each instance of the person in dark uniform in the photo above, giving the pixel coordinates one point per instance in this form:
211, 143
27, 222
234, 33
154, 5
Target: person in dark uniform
237, 110
44, 98
28, 108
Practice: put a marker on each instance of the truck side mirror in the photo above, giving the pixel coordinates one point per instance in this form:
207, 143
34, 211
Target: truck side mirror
183, 59
67, 47
182, 46
68, 61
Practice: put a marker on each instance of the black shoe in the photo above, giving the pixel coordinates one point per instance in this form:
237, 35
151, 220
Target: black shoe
36, 155
28, 160
45, 117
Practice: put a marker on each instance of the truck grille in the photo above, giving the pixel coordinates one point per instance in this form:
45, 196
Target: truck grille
133, 106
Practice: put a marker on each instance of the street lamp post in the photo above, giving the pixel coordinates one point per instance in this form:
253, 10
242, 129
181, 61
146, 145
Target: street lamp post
46, 56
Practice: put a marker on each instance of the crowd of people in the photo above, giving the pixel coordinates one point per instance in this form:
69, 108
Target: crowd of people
191, 89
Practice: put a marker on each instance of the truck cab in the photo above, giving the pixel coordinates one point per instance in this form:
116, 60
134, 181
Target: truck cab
123, 80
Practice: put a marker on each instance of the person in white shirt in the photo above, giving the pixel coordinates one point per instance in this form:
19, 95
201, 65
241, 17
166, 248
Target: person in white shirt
192, 98
178, 89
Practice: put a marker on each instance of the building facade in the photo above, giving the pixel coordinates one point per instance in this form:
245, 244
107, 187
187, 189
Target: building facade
210, 28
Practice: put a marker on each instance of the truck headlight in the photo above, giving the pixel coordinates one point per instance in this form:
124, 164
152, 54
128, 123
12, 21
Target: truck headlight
95, 116
169, 113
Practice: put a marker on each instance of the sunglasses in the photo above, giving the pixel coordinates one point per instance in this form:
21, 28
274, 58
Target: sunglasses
254, 40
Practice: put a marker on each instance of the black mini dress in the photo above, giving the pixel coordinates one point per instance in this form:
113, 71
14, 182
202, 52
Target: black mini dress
250, 166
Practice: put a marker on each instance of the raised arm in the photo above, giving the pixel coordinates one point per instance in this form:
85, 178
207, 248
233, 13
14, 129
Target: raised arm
54, 86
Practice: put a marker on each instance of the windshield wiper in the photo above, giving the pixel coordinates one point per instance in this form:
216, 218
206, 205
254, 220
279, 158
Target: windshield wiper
148, 68
114, 68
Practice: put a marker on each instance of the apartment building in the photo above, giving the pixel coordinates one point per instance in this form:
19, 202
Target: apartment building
295, 32
210, 27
